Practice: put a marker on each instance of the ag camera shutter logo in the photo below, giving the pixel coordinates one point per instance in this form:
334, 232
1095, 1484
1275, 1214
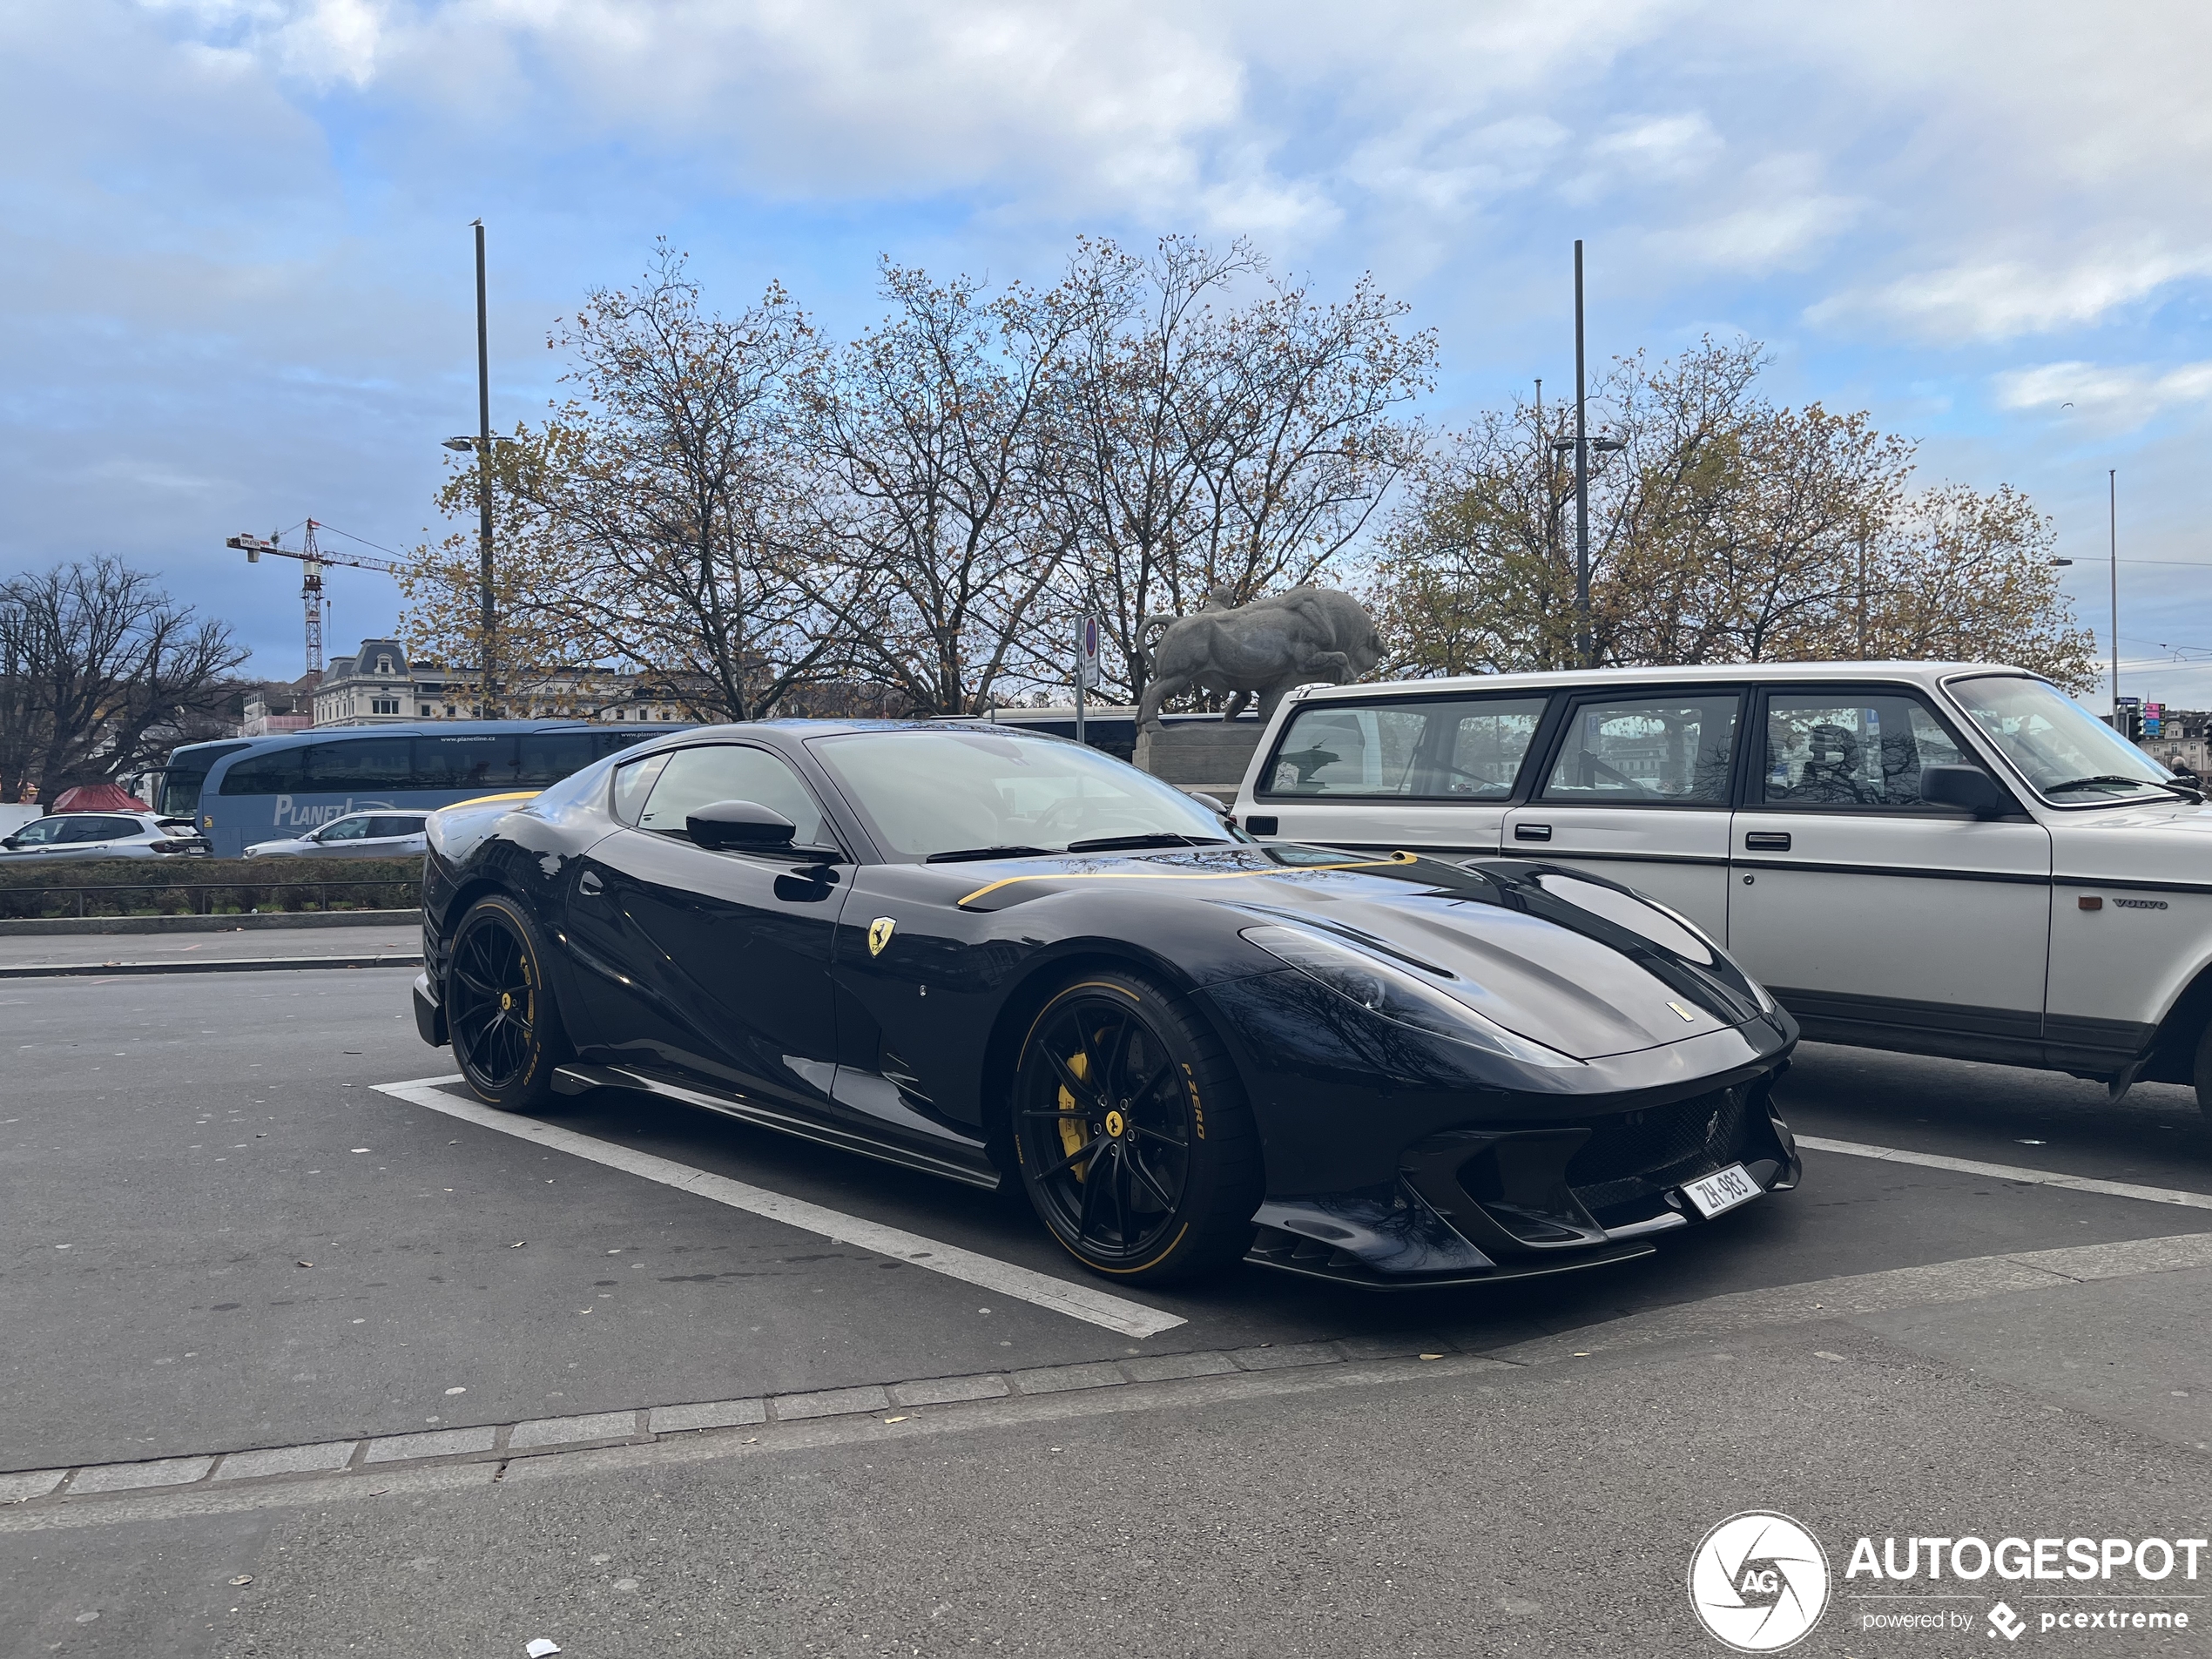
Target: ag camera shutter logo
1758, 1581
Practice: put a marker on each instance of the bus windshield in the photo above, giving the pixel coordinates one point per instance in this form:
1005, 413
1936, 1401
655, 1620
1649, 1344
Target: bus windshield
173, 790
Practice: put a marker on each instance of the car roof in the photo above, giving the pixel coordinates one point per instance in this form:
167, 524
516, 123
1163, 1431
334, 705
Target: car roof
1918, 673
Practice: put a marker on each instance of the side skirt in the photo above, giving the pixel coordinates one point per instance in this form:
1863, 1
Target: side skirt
577, 1079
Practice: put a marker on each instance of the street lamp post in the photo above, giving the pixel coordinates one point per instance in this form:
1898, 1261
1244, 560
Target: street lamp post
1582, 642
483, 476
1585, 632
484, 446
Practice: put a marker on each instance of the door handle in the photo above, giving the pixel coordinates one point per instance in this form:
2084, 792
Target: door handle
1531, 832
1766, 841
588, 884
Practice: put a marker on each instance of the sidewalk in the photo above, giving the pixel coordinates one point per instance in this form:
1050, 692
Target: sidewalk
78, 951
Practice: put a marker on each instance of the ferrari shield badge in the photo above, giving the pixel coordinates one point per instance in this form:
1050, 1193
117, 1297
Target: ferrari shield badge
879, 932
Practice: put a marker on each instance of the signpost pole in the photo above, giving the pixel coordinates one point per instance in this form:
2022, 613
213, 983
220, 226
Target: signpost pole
1086, 668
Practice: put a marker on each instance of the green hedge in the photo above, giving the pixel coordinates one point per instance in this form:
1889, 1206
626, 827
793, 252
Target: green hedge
193, 885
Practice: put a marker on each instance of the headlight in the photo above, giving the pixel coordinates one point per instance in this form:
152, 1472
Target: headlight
1395, 993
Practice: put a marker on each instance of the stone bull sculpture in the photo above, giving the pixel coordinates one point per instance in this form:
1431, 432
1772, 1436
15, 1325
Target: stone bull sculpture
1261, 649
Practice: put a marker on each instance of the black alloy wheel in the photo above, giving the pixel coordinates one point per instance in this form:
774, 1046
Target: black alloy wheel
506, 1032
1130, 1126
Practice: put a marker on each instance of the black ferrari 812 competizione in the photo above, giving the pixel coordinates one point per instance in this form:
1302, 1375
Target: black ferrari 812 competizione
997, 955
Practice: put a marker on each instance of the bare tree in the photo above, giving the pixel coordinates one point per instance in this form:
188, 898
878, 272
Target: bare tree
1222, 432
100, 669
928, 439
1726, 530
650, 519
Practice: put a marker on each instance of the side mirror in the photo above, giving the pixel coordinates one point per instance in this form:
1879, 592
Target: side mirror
1966, 786
739, 827
1211, 803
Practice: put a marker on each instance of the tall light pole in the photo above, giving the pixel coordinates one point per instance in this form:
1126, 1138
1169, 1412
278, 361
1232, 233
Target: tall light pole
1582, 641
485, 446
488, 621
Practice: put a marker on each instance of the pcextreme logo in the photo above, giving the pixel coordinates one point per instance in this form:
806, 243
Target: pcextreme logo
1758, 1581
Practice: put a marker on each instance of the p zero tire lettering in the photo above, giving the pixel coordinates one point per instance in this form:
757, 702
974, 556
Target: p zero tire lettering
1112, 1135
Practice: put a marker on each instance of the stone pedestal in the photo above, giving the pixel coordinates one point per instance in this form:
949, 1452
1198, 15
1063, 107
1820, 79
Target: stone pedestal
1209, 755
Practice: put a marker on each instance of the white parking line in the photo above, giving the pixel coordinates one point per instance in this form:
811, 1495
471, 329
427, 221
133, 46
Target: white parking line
1041, 1290
2010, 1172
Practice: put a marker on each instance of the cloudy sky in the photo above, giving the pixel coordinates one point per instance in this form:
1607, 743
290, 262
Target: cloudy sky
235, 265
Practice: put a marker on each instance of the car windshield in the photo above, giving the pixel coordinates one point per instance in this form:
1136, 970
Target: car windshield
929, 793
2071, 756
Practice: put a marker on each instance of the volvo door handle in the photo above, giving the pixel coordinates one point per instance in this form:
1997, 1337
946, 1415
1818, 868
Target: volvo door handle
1766, 841
588, 884
1531, 832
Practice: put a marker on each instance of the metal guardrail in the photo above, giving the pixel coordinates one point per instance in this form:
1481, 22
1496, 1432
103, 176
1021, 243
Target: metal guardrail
205, 906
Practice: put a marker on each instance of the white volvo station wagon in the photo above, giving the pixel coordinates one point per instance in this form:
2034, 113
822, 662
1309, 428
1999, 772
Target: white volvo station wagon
1943, 858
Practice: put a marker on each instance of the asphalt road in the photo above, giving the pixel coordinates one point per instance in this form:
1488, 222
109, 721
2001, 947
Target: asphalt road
216, 1234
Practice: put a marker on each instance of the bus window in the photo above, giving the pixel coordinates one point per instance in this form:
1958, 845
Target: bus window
613, 743
484, 763
282, 772
548, 757
362, 766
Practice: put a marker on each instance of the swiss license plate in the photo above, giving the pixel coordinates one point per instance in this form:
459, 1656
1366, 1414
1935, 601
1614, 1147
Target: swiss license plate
1723, 1190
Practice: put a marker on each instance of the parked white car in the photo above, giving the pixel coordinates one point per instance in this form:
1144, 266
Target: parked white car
358, 835
1949, 859
102, 835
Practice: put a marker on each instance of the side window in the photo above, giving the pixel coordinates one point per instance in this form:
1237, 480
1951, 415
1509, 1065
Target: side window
1485, 746
78, 830
1647, 750
41, 831
282, 772
359, 765
694, 777
346, 829
633, 783
548, 757
1854, 749
487, 763
1456, 748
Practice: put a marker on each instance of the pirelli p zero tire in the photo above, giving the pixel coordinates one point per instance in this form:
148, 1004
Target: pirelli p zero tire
506, 1031
1134, 1139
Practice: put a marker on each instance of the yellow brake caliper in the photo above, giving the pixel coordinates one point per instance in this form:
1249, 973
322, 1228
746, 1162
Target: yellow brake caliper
1072, 1135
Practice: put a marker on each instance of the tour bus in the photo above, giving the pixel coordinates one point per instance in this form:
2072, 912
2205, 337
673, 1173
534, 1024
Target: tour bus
259, 789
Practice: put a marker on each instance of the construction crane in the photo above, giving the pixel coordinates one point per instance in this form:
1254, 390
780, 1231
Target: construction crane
313, 560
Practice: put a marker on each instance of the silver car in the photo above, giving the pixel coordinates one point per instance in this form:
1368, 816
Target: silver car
357, 835
103, 835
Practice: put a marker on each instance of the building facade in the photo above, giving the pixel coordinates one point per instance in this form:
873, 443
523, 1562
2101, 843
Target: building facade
381, 685
277, 706
2184, 742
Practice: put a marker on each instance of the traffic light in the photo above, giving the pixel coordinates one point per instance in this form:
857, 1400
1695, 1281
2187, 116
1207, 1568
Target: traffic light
2131, 718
